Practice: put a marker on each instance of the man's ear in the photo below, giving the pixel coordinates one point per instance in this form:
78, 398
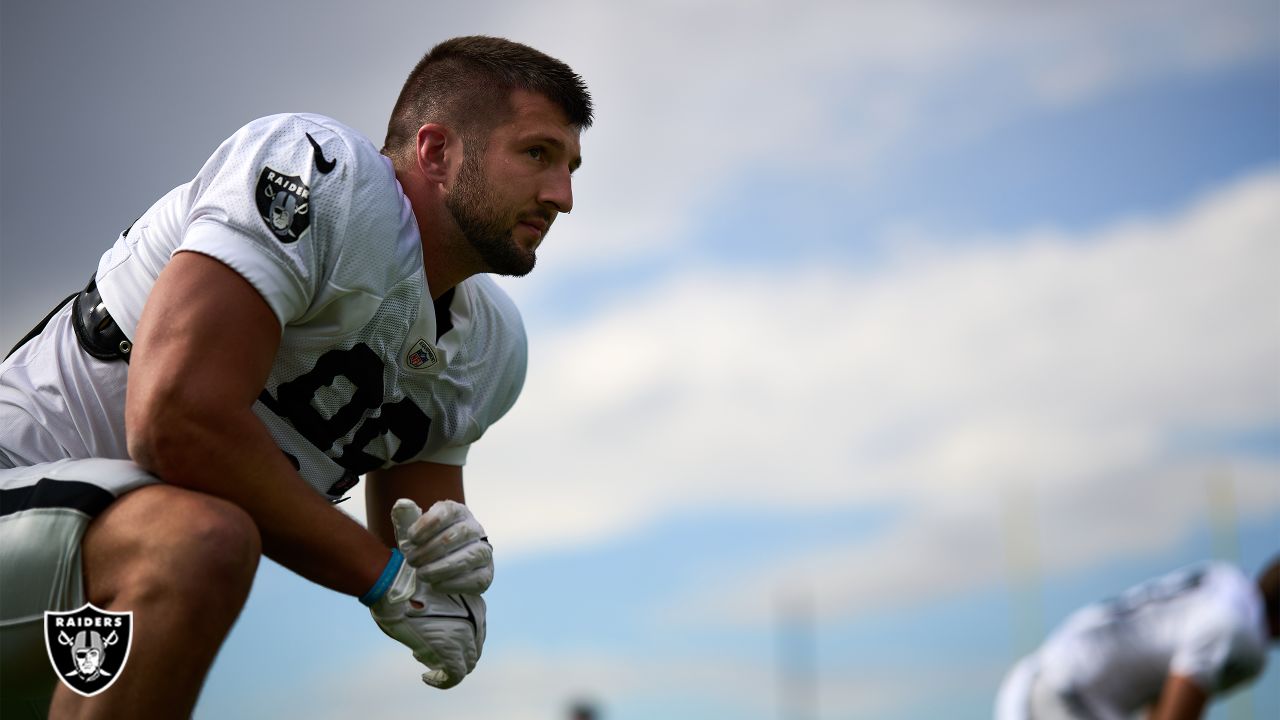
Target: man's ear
437, 150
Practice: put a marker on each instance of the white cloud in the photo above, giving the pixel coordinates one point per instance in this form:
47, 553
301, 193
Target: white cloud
1048, 375
1002, 535
961, 367
695, 98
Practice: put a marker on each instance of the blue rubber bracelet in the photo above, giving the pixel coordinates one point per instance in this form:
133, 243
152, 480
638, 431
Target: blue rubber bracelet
384, 580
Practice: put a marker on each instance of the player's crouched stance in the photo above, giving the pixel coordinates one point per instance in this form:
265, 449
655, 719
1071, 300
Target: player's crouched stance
307, 311
430, 590
182, 564
1171, 644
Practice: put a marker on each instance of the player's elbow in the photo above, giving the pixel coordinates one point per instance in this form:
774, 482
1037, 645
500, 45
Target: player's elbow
166, 434
156, 445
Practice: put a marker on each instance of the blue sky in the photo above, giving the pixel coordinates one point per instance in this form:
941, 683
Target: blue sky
944, 318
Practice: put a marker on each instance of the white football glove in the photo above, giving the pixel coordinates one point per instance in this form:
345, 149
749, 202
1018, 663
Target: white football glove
449, 549
445, 632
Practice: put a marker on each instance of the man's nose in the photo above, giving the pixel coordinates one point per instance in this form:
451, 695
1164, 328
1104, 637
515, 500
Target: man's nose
558, 190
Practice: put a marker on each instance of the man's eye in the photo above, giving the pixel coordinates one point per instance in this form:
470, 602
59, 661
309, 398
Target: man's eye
535, 153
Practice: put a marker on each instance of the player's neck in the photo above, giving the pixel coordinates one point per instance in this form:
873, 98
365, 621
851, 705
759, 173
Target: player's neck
447, 257
440, 260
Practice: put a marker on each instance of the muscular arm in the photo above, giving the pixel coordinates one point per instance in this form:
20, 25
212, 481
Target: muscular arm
1181, 699
202, 352
423, 482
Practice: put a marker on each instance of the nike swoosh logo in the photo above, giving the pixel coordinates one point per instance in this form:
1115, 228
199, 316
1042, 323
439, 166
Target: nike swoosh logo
324, 166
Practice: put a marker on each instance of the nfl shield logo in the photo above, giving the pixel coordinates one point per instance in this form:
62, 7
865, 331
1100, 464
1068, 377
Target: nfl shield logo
422, 355
88, 647
283, 203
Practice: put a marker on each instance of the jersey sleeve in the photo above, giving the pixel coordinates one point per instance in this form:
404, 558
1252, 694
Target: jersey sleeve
263, 206
1212, 652
455, 455
492, 371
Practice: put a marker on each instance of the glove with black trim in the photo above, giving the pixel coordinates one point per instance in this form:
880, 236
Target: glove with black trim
445, 631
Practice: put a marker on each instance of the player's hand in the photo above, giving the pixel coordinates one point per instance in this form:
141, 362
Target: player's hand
445, 632
449, 549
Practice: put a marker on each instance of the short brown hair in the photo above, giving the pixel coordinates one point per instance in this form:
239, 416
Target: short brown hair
466, 83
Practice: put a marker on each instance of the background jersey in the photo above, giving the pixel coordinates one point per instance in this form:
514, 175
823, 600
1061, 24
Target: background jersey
369, 371
1205, 622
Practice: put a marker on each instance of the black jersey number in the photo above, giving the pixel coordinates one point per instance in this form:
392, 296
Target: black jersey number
362, 367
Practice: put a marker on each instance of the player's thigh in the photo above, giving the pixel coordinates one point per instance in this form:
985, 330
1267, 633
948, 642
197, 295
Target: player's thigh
39, 570
192, 553
45, 510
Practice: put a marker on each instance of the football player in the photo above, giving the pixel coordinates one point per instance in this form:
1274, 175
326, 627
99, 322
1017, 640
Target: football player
1169, 645
307, 310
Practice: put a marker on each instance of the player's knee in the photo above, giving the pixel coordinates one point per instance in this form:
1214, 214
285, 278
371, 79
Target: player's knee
212, 553
191, 548
218, 545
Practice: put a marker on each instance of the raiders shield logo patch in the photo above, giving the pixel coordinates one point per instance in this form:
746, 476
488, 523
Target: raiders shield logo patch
88, 647
283, 201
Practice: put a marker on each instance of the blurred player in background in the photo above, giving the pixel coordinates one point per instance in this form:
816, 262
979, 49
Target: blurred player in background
1170, 645
308, 310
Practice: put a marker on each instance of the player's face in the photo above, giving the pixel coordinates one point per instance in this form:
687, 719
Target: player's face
87, 660
506, 197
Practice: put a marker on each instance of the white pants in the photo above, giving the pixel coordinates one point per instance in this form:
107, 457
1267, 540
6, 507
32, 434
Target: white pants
44, 512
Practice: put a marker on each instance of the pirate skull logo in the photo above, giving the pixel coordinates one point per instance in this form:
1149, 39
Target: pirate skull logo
284, 202
89, 649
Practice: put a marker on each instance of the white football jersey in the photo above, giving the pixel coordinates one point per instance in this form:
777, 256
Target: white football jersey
1205, 622
369, 372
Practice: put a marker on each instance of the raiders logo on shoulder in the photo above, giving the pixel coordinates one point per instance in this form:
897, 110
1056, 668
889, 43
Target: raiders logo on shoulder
283, 201
88, 647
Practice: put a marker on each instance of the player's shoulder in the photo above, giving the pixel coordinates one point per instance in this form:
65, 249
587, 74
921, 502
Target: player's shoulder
296, 125
1225, 579
489, 295
497, 348
1227, 601
348, 186
492, 320
336, 150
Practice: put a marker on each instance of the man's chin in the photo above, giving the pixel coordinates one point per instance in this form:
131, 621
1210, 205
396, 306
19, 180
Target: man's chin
522, 270
513, 264
506, 256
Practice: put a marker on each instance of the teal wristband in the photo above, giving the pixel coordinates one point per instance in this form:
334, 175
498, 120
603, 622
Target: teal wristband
384, 580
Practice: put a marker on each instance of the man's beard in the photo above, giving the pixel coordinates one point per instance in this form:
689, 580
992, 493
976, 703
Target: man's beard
474, 208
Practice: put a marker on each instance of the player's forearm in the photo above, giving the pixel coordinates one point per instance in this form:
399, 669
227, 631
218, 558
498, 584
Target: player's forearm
231, 455
1181, 699
1172, 712
425, 483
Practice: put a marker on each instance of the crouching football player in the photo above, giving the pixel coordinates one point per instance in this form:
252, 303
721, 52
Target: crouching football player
308, 310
